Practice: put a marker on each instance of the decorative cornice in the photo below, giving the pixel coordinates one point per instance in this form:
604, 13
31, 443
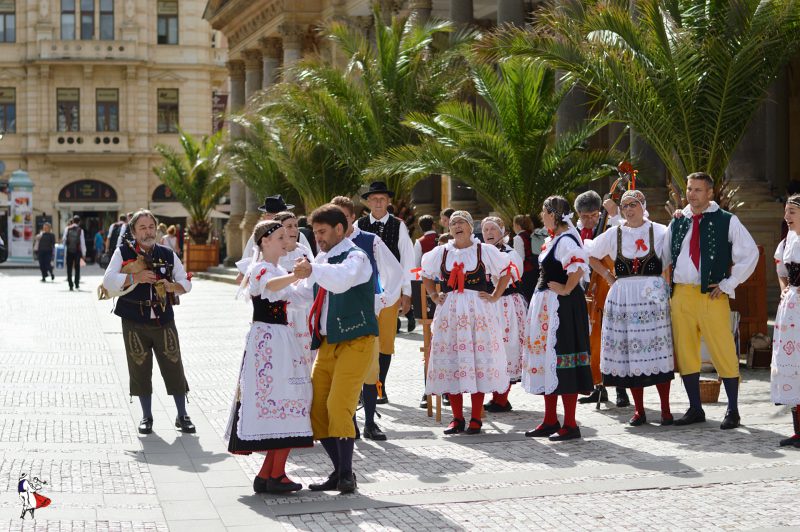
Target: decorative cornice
236, 69
268, 13
293, 34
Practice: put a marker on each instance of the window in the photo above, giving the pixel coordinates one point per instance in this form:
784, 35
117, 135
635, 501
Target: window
87, 20
167, 110
67, 20
8, 110
107, 109
8, 26
68, 109
167, 21
106, 20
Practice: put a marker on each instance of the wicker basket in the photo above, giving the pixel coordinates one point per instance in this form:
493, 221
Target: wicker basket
709, 390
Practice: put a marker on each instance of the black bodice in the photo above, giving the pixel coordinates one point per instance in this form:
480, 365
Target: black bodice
551, 268
268, 311
473, 280
794, 273
512, 287
649, 265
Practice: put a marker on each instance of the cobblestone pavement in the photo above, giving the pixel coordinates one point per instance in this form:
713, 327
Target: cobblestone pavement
65, 416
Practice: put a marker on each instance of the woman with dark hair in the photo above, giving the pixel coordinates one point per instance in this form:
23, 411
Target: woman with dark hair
523, 245
271, 410
556, 347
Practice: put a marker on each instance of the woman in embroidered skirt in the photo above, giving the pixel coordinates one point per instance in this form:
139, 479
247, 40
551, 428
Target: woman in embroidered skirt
297, 312
556, 347
636, 350
512, 310
785, 378
271, 409
467, 354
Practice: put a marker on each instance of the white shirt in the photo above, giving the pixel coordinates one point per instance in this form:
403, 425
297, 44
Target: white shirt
354, 270
418, 250
571, 255
114, 279
788, 251
260, 273
287, 261
519, 245
249, 249
606, 243
517, 260
495, 262
389, 271
744, 254
82, 240
406, 247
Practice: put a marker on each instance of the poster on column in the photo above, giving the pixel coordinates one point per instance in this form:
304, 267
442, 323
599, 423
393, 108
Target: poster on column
21, 226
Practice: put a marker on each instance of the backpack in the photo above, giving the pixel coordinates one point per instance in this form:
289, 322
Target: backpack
73, 239
112, 240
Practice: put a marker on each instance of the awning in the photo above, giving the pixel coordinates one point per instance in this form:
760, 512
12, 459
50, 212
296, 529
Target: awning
176, 210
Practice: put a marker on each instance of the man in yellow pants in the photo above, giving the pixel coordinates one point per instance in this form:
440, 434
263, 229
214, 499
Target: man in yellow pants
703, 246
343, 327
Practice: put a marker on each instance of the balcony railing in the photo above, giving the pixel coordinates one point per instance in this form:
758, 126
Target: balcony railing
89, 50
88, 142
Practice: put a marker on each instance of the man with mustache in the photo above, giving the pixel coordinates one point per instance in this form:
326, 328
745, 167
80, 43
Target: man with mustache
145, 306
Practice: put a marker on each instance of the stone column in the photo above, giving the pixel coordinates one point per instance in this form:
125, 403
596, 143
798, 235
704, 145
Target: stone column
253, 78
233, 232
292, 36
573, 111
461, 12
271, 52
648, 162
421, 11
777, 140
511, 12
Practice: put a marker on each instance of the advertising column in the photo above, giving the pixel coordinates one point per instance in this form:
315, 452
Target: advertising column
21, 224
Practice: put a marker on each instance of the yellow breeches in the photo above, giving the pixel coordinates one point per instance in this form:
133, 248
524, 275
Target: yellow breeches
387, 328
373, 370
337, 376
696, 315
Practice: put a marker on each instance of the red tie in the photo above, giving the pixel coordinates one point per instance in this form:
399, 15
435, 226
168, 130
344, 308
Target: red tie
315, 315
694, 241
587, 232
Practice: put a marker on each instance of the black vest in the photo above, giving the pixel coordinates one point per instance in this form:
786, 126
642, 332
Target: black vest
552, 269
136, 304
267, 311
389, 232
650, 264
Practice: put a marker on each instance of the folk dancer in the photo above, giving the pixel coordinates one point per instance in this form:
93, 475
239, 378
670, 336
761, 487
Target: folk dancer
636, 348
512, 308
388, 276
467, 354
147, 276
557, 335
588, 206
343, 328
270, 413
785, 378
394, 234
523, 245
703, 246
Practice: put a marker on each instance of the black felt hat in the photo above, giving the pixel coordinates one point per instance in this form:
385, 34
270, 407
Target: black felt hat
275, 204
377, 187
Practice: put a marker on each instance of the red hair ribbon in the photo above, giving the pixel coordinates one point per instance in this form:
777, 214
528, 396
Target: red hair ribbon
641, 245
507, 271
574, 260
261, 274
456, 280
416, 271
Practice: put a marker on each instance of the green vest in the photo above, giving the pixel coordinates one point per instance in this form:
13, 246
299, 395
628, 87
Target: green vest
351, 314
715, 249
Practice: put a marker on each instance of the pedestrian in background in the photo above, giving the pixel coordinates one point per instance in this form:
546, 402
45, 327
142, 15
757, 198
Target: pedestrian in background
99, 245
161, 232
170, 240
75, 245
46, 244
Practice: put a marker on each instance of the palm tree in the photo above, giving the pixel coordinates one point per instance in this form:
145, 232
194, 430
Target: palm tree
347, 115
504, 147
687, 75
195, 178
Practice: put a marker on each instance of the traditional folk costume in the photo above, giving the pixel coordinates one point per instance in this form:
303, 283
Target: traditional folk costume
523, 245
556, 345
343, 329
148, 326
394, 234
636, 349
785, 373
467, 353
702, 250
272, 404
388, 277
512, 309
297, 311
424, 244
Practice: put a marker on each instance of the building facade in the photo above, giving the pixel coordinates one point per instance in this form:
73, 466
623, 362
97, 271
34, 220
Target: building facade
89, 87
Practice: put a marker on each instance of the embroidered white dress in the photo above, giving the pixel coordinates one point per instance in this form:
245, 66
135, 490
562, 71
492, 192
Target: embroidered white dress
785, 368
513, 312
467, 354
272, 404
636, 349
298, 310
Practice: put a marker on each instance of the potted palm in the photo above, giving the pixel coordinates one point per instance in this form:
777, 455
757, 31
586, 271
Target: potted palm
193, 174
